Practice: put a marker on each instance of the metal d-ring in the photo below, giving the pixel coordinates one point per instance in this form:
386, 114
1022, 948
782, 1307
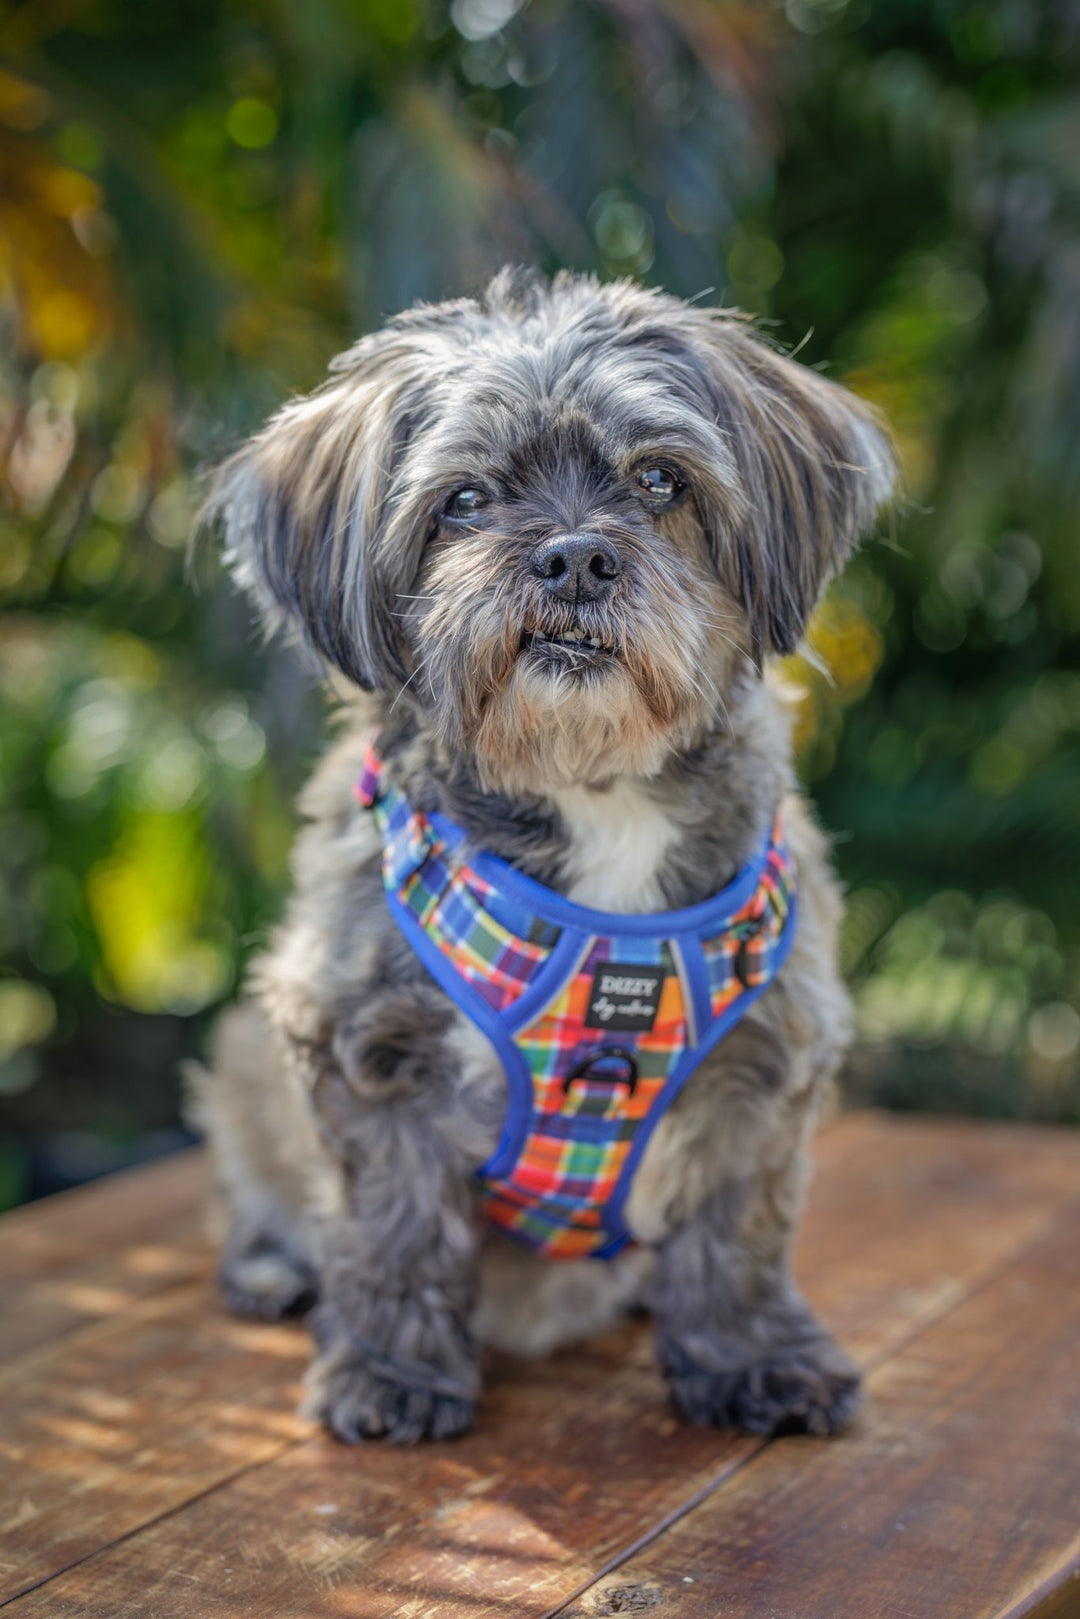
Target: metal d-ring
584, 1069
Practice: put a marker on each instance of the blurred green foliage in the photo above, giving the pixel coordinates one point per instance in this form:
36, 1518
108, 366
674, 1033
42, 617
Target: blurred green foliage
202, 200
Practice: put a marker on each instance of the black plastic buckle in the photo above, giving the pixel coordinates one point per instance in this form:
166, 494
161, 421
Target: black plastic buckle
741, 964
585, 1068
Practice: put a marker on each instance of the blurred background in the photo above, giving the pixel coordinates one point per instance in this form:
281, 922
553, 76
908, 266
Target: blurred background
201, 201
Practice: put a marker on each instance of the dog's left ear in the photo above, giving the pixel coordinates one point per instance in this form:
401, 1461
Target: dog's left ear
813, 468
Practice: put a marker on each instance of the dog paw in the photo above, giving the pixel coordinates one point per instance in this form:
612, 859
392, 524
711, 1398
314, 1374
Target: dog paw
810, 1389
356, 1401
265, 1283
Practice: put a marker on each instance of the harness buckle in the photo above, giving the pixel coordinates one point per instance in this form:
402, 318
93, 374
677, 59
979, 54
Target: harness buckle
742, 963
588, 1068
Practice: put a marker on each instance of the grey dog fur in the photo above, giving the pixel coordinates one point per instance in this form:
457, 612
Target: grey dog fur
348, 1103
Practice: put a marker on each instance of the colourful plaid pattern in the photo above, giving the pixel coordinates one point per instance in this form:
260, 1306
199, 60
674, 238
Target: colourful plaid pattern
494, 944
578, 1133
581, 1133
744, 955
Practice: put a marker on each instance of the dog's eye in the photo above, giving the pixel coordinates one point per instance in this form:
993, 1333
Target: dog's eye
659, 484
466, 503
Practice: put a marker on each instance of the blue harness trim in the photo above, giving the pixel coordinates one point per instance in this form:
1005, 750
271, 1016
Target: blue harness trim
598, 1018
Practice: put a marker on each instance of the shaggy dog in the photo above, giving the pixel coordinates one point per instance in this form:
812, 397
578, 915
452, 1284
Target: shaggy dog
555, 535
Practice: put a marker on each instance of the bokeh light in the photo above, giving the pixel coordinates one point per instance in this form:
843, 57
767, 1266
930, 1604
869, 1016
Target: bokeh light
193, 219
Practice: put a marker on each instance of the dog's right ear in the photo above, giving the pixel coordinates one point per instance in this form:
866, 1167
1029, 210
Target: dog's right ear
305, 503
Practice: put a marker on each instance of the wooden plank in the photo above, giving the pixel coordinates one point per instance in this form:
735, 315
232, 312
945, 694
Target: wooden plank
131, 1417
37, 1314
958, 1494
510, 1514
74, 1227
919, 1214
576, 1457
1055, 1597
89, 1254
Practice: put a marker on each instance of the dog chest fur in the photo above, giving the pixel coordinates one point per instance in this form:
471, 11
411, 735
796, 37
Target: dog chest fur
618, 838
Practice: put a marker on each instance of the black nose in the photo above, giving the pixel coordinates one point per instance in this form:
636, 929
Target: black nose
577, 567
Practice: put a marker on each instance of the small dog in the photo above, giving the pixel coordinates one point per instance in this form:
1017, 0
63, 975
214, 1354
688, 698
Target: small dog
540, 990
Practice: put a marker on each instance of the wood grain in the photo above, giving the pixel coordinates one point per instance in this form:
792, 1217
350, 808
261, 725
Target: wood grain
958, 1495
920, 1213
131, 1417
88, 1255
501, 1522
60, 1232
573, 1459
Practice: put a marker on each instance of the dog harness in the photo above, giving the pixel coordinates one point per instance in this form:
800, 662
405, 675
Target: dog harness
599, 1019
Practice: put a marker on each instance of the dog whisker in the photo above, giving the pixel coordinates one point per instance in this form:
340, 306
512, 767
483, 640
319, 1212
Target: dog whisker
417, 671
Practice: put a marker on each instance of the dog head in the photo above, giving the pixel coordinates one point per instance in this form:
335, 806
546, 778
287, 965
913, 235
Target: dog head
552, 520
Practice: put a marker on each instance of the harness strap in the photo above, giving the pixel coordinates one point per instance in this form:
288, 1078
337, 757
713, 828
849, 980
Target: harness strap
599, 1019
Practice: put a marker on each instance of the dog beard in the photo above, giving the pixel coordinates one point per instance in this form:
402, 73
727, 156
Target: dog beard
544, 695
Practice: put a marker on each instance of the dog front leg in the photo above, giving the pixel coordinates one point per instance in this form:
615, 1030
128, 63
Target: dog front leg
738, 1344
398, 1269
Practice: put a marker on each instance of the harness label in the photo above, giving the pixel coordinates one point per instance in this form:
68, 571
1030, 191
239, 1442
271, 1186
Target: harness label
624, 997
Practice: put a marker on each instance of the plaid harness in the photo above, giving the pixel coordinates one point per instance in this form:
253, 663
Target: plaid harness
599, 1019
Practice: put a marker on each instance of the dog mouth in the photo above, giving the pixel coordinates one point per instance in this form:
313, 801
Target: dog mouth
569, 647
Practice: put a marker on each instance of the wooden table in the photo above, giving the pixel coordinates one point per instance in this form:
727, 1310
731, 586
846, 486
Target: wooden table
153, 1465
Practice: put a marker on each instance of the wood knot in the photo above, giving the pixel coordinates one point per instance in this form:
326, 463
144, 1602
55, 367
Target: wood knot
611, 1599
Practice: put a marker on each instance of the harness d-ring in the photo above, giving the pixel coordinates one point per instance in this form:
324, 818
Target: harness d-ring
742, 964
588, 1068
